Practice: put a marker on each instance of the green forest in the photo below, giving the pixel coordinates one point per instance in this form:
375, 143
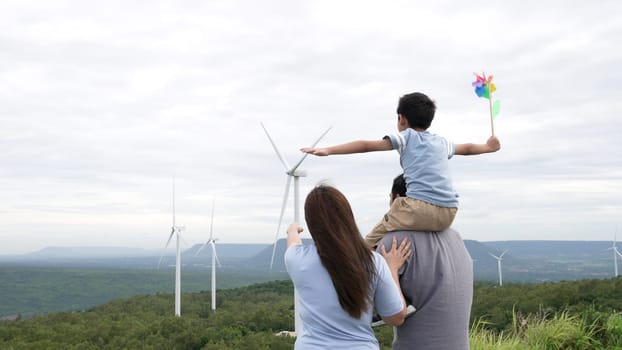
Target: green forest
566, 315
34, 290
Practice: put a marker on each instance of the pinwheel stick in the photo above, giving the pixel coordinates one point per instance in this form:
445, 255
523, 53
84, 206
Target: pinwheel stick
492, 125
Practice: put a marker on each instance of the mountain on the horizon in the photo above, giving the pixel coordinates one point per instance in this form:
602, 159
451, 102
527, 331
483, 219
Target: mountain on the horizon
228, 253
543, 249
524, 261
259, 254
90, 252
228, 250
480, 252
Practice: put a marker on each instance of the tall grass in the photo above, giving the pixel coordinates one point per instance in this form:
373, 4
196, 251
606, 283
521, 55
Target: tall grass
613, 331
481, 337
544, 331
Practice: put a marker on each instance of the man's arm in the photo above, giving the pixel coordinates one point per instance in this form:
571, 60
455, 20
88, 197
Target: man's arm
361, 146
469, 149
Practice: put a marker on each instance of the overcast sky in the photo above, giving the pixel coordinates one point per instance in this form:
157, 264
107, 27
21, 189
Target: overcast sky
102, 103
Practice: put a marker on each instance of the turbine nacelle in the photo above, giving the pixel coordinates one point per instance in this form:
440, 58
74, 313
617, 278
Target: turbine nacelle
297, 173
615, 250
211, 240
500, 257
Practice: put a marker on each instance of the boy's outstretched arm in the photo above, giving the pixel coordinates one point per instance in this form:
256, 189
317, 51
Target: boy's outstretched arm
469, 149
360, 146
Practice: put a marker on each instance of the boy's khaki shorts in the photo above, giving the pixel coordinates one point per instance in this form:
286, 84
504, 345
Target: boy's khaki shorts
411, 215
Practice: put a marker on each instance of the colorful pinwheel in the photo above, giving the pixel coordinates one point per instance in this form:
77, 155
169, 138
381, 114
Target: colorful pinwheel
484, 88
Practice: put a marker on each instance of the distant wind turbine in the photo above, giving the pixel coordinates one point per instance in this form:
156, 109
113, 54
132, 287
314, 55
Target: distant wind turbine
616, 253
175, 230
212, 242
499, 258
295, 173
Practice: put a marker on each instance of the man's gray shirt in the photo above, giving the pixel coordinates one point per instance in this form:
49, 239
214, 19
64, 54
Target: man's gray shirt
438, 280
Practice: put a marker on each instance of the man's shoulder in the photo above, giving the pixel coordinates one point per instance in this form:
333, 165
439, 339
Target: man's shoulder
409, 233
386, 240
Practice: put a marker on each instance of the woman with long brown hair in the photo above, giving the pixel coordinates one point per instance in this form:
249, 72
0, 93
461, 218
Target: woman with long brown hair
338, 279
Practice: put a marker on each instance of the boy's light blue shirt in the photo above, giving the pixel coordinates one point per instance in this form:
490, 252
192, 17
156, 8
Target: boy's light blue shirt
424, 159
325, 324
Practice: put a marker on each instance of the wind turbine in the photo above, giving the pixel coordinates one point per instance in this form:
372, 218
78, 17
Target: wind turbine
292, 172
212, 242
296, 174
499, 258
614, 248
175, 230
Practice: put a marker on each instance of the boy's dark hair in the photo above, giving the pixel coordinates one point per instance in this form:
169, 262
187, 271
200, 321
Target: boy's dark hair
418, 109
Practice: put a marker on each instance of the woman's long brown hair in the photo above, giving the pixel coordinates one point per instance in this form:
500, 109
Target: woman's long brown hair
341, 248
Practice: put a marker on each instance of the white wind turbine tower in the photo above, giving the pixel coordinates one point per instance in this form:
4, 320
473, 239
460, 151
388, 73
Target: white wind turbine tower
212, 242
499, 258
295, 173
175, 230
614, 248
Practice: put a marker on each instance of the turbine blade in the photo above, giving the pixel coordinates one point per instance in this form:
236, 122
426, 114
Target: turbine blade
160, 261
201, 248
173, 200
275, 149
218, 261
278, 227
170, 237
306, 154
215, 255
211, 223
182, 238
617, 252
502, 254
166, 246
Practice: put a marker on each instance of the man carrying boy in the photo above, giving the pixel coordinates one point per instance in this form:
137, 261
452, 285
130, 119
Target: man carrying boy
431, 202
